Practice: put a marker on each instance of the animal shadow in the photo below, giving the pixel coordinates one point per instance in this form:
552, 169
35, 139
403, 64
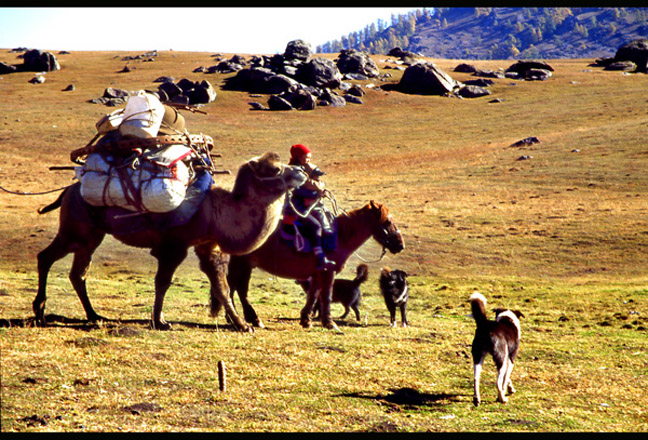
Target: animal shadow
54, 320
409, 398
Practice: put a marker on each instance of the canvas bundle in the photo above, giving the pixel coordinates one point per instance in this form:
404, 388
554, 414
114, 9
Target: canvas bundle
155, 181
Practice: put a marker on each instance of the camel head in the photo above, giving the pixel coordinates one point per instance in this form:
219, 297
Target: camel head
267, 175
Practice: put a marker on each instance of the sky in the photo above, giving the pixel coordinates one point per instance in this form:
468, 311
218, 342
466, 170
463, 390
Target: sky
245, 30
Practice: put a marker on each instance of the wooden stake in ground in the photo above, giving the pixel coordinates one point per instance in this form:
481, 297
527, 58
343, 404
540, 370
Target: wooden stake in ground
222, 386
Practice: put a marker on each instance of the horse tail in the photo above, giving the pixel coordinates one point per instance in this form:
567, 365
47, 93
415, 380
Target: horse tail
362, 274
54, 205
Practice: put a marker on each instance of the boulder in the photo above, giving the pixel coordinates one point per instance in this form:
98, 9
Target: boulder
488, 73
465, 68
402, 54
536, 75
352, 99
529, 70
276, 102
170, 89
38, 61
481, 82
6, 68
625, 66
251, 80
202, 93
300, 99
523, 65
473, 92
353, 62
319, 72
427, 79
356, 90
635, 51
298, 50
330, 98
279, 83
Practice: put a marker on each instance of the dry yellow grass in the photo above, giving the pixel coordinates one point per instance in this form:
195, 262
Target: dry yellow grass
563, 236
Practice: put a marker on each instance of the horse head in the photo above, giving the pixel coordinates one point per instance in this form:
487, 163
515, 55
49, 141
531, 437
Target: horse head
384, 230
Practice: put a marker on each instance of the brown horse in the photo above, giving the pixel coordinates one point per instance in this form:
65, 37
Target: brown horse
280, 259
235, 222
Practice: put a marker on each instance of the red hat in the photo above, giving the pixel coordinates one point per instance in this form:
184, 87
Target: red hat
299, 150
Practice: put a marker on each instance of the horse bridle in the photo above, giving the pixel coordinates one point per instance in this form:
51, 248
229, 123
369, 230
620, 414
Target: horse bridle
385, 226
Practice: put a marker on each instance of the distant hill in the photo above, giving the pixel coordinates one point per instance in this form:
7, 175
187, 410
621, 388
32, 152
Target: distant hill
502, 33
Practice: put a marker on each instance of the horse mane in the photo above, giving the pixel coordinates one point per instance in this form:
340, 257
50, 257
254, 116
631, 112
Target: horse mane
384, 212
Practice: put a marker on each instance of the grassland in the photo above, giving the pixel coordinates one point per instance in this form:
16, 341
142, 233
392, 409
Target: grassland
562, 236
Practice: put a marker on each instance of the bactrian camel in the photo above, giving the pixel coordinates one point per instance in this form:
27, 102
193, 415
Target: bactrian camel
227, 222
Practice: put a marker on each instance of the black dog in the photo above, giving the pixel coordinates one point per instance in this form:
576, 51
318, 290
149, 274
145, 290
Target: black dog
346, 292
394, 288
500, 338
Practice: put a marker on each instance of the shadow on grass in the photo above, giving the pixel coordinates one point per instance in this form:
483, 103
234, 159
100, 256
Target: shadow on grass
408, 398
54, 320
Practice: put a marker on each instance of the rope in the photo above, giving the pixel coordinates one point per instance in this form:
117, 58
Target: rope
384, 251
21, 193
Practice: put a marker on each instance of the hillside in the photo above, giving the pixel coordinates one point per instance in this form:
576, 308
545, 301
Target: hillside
556, 229
504, 33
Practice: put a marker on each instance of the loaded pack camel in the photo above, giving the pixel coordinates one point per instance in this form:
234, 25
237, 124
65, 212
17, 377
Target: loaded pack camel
278, 258
227, 222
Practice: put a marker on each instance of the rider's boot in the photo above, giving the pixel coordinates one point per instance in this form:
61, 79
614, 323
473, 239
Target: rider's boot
323, 263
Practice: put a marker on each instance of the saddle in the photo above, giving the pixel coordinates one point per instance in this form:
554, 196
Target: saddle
295, 235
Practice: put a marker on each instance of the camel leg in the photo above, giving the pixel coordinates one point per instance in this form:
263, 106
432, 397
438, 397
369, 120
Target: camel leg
169, 258
78, 272
238, 279
58, 249
46, 258
214, 265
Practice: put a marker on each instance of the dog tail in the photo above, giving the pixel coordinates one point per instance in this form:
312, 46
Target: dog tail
478, 306
362, 274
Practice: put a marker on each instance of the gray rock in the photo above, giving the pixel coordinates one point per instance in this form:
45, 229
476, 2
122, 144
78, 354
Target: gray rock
298, 50
276, 102
319, 72
357, 64
635, 51
473, 91
427, 79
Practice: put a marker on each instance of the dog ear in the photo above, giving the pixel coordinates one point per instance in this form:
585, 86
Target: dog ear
385, 271
518, 313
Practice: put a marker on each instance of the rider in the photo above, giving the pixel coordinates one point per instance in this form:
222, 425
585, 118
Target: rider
306, 199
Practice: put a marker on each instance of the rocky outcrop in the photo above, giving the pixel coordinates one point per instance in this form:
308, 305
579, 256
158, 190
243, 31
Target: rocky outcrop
295, 79
635, 51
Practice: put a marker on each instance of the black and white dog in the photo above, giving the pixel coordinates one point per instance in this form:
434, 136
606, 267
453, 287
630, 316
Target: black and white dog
500, 338
394, 288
